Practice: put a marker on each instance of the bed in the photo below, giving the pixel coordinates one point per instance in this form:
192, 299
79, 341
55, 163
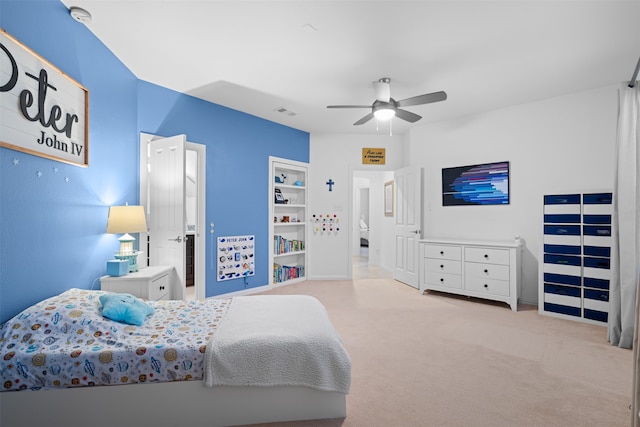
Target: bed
218, 362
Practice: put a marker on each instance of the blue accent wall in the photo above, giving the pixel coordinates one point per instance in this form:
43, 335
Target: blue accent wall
238, 150
53, 215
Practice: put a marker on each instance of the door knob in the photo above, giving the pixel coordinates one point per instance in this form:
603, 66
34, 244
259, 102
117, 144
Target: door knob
177, 239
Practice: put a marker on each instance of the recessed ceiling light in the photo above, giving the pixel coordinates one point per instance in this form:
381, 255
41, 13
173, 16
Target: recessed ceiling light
79, 14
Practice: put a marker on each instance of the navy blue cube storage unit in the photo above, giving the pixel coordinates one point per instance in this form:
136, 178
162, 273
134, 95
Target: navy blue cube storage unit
576, 260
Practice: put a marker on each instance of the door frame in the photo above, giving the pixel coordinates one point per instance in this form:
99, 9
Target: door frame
354, 226
200, 281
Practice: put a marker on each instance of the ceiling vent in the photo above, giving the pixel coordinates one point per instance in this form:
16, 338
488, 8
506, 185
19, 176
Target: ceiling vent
283, 110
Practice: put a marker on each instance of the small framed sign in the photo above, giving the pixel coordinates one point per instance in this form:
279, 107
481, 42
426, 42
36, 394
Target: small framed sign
373, 156
44, 111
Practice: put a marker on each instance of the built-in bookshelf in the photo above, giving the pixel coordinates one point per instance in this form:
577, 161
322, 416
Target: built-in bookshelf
288, 213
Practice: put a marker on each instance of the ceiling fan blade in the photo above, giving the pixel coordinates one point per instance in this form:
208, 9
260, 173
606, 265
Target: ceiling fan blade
408, 116
363, 120
348, 106
423, 99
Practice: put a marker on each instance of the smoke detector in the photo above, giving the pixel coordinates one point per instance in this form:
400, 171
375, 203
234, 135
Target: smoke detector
79, 14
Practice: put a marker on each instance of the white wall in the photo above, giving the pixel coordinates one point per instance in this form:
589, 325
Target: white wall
336, 157
558, 145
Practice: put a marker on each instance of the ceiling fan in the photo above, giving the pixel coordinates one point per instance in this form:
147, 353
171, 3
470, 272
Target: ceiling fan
385, 107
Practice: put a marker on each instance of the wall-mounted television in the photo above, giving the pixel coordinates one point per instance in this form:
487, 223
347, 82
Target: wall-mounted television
483, 184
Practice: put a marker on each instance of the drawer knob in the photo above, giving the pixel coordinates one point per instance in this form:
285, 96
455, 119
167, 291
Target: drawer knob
441, 266
441, 252
486, 286
486, 271
162, 288
442, 279
486, 255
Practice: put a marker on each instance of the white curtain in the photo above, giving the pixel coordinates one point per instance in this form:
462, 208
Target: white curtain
635, 394
625, 257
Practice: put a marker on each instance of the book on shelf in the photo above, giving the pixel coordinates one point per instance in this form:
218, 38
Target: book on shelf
283, 246
282, 273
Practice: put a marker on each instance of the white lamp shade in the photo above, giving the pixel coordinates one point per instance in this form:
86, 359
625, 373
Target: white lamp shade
126, 219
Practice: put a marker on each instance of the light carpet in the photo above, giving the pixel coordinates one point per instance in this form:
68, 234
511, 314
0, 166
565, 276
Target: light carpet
442, 360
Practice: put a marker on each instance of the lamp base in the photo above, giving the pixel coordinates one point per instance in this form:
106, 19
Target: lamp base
133, 261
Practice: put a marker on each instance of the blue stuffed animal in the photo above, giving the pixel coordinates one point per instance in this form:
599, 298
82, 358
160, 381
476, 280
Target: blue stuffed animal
281, 180
125, 308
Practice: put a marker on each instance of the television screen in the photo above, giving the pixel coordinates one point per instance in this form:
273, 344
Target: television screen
485, 184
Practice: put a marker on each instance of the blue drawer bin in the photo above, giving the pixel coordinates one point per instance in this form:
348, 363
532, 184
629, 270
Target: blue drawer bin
562, 309
561, 290
562, 230
596, 295
599, 251
562, 199
596, 262
597, 230
596, 219
562, 218
563, 278
600, 316
591, 282
597, 199
562, 249
562, 259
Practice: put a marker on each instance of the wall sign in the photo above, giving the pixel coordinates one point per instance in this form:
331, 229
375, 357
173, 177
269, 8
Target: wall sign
44, 111
235, 257
373, 156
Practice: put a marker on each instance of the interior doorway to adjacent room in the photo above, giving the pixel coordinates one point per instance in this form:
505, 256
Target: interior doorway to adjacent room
189, 236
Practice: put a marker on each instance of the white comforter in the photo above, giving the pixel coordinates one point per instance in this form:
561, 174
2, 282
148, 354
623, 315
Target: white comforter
277, 340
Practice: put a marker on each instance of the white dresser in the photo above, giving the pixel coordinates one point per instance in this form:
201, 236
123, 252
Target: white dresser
482, 269
151, 283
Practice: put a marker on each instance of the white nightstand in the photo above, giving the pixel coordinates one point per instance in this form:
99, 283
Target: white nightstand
151, 283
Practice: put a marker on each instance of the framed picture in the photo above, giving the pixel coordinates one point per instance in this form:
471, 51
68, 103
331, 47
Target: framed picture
483, 184
279, 197
388, 198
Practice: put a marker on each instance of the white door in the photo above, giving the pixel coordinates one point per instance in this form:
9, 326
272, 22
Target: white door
166, 207
408, 225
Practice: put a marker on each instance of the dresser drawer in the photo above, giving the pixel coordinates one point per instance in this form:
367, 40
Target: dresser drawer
488, 286
486, 271
443, 252
443, 280
487, 255
159, 288
443, 266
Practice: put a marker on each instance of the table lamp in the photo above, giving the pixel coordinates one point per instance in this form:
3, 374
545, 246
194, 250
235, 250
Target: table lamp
127, 219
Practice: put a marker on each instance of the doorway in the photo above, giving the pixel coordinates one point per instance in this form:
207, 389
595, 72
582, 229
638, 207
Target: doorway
191, 280
369, 227
361, 218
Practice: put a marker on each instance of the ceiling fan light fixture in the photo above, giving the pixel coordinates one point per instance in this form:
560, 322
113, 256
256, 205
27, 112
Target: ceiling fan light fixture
384, 113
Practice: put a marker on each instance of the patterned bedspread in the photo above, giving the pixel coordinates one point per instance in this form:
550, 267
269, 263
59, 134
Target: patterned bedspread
64, 341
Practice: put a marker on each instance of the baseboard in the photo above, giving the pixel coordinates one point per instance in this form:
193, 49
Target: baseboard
248, 291
329, 278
